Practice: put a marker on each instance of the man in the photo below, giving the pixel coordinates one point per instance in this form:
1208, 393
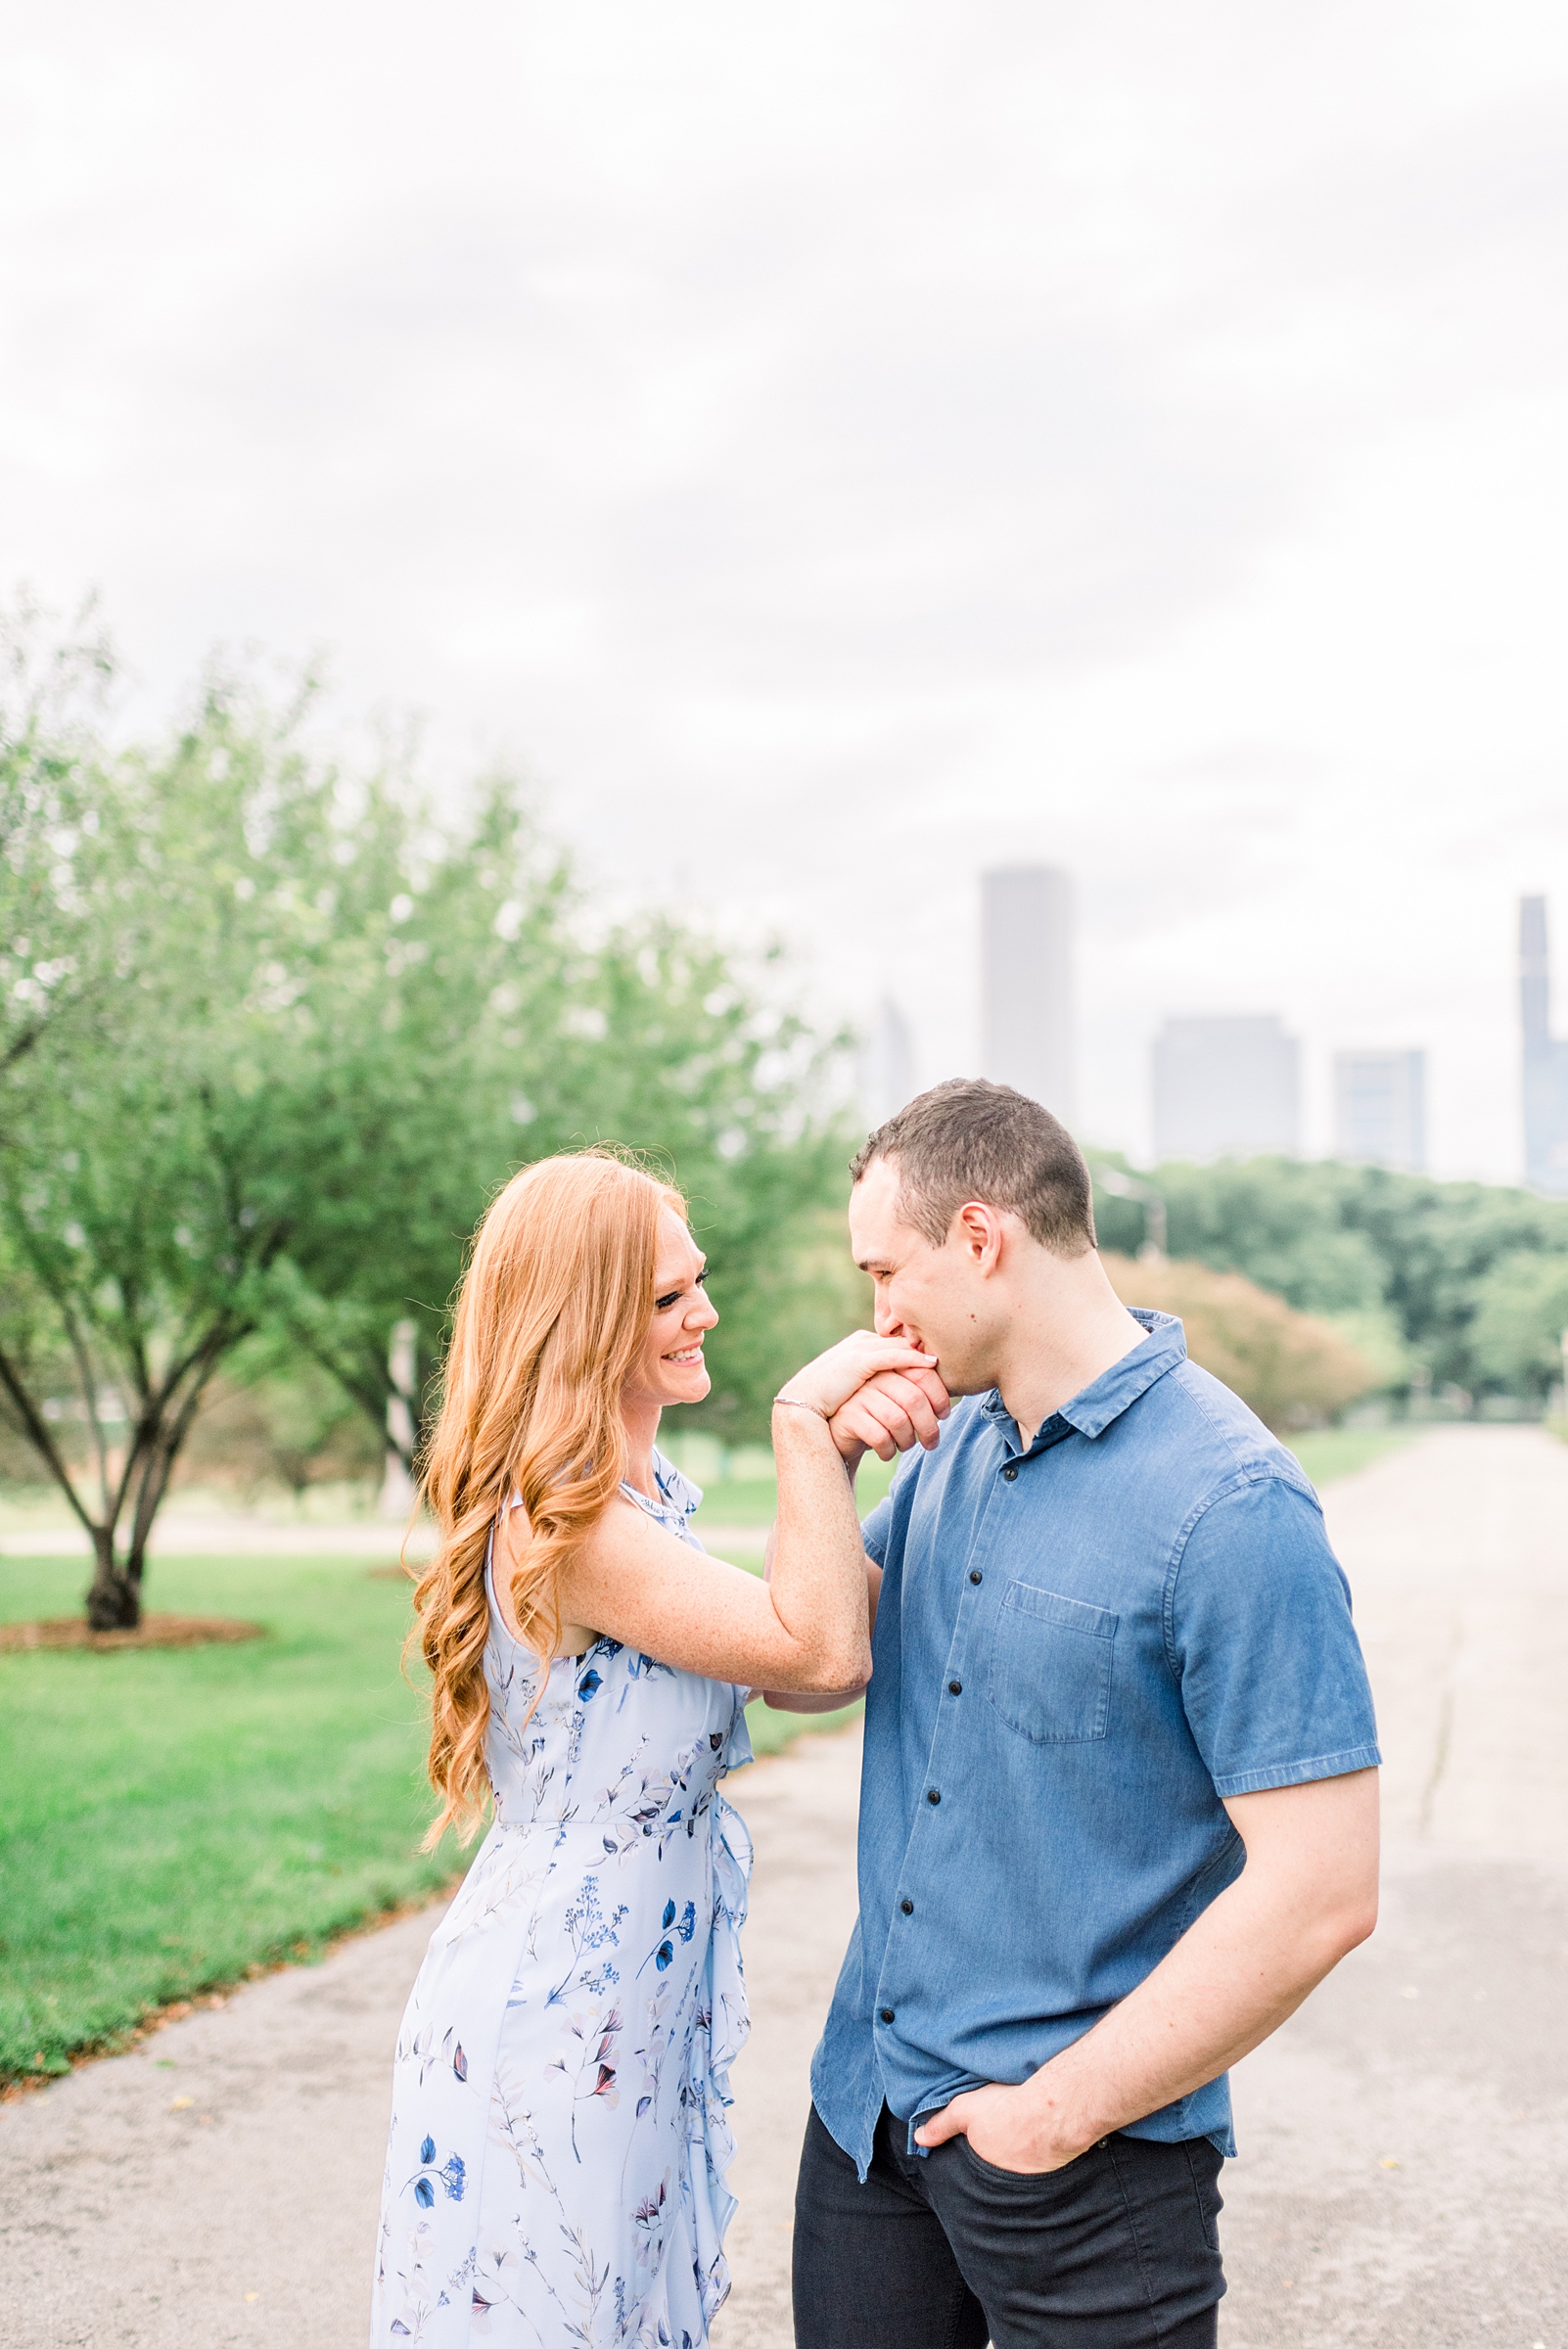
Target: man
1119, 1812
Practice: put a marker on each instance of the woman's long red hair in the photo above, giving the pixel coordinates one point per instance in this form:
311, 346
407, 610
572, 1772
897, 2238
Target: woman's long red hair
555, 1304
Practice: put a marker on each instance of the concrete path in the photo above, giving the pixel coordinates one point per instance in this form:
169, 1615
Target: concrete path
1403, 2173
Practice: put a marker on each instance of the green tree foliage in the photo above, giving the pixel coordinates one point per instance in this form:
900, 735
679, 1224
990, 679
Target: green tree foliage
1398, 1257
273, 1036
1292, 1368
1521, 1314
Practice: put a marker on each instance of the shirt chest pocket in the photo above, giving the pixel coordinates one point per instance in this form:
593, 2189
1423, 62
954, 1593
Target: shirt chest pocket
1048, 1673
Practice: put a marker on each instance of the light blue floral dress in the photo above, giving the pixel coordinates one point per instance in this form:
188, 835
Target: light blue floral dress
555, 2171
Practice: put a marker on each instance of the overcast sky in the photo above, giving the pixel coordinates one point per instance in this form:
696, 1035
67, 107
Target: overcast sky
836, 448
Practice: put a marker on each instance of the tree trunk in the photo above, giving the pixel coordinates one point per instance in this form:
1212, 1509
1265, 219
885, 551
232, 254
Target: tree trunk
397, 1485
115, 1602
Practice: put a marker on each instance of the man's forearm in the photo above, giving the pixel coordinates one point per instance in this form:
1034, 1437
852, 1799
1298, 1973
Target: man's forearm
1232, 1980
1307, 1895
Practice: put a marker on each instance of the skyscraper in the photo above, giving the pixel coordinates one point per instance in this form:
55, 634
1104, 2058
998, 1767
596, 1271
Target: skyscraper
1545, 1059
1025, 944
887, 1064
1226, 1087
1380, 1109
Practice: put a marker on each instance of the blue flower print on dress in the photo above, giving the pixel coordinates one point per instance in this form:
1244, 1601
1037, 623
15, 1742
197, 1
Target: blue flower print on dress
450, 2174
559, 2134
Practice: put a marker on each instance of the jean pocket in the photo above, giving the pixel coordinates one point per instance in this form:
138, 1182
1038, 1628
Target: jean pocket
1050, 1672
1042, 2180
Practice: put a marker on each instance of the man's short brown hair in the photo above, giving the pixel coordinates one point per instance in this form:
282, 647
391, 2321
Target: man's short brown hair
970, 1140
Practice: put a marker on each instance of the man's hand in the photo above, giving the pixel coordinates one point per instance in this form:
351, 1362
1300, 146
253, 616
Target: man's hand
1004, 2129
828, 1383
892, 1412
1307, 1895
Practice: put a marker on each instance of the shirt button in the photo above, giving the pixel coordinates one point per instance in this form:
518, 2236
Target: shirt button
933, 1795
955, 1688
1009, 1473
907, 1907
886, 2014
975, 1575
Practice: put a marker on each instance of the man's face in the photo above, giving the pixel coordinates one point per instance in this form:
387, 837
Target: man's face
934, 1297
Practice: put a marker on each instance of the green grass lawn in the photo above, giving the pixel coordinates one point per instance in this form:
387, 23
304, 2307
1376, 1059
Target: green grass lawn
173, 1818
1331, 1452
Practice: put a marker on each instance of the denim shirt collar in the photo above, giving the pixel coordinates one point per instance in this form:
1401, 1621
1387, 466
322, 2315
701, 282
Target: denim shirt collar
1091, 1413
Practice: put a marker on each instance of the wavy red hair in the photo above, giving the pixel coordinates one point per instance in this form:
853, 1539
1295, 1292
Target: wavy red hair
553, 1309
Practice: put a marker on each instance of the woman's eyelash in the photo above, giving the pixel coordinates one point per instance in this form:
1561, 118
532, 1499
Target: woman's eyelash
662, 1304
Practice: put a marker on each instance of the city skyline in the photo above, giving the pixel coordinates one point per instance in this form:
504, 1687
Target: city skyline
1221, 1084
1129, 445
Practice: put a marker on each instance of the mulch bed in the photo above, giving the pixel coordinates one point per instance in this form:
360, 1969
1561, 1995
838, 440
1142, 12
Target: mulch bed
154, 1631
393, 1573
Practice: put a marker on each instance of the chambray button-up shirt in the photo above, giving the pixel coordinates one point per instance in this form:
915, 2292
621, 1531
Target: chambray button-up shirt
1081, 1648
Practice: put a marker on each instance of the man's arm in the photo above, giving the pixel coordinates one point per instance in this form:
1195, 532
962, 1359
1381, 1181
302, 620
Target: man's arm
1307, 1895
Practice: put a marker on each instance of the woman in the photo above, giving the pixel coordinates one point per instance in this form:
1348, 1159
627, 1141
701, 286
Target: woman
558, 2146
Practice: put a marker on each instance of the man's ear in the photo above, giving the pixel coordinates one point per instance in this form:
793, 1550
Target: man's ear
979, 1229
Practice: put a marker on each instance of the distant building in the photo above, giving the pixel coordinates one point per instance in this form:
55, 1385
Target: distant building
1380, 1109
1026, 945
1225, 1088
1545, 1059
887, 1065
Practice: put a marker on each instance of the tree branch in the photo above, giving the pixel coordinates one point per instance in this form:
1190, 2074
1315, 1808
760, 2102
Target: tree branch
89, 1389
40, 1439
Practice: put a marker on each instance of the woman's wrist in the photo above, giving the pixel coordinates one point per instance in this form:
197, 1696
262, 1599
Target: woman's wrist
798, 1403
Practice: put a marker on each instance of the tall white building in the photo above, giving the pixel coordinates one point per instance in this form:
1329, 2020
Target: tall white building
1026, 922
1225, 1088
1380, 1109
1545, 1059
887, 1065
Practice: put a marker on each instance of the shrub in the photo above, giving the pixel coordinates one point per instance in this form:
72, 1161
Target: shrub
1290, 1368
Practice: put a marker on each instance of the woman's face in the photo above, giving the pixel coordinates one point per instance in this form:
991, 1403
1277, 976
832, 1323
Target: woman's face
670, 1367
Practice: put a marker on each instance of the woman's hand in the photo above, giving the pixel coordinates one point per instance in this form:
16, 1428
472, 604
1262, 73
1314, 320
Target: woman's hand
828, 1383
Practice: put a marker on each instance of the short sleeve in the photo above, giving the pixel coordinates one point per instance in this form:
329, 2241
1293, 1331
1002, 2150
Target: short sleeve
877, 1531
1259, 1631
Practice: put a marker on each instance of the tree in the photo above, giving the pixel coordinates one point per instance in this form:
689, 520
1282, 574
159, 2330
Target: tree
1396, 1261
1290, 1368
1520, 1316
188, 1131
275, 1038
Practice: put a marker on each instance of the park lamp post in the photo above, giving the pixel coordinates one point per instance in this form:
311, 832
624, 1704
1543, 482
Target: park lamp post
1130, 1186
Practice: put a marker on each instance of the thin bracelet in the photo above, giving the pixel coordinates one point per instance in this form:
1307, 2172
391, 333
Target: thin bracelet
793, 1402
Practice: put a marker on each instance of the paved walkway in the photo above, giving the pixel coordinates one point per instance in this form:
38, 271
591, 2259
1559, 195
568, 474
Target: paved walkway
1403, 2173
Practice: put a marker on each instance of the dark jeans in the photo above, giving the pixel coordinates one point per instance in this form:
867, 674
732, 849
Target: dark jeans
1117, 2251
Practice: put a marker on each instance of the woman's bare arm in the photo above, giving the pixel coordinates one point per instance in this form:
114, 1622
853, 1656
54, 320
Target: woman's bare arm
892, 1412
823, 1700
807, 1628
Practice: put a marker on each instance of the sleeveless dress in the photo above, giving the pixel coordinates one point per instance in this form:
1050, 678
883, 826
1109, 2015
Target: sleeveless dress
555, 2169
